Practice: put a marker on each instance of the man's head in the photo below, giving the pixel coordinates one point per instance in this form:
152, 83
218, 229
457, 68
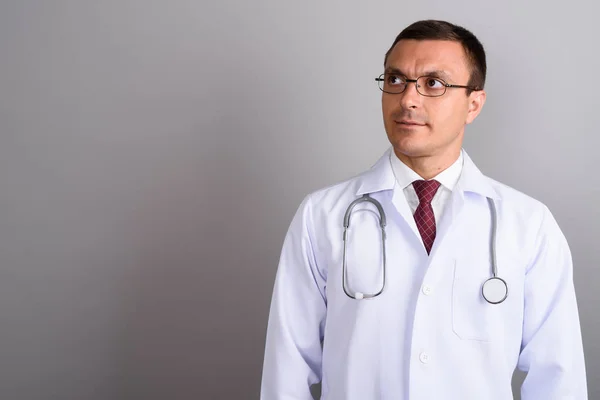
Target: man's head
422, 126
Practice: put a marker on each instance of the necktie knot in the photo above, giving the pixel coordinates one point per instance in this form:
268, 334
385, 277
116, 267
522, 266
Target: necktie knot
426, 190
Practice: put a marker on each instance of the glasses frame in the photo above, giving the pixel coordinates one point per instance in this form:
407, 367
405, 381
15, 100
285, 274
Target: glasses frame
446, 85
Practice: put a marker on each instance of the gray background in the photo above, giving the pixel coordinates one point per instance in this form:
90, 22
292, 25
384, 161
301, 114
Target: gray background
153, 153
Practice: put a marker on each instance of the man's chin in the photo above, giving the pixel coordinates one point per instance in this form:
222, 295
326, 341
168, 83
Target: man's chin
411, 150
411, 145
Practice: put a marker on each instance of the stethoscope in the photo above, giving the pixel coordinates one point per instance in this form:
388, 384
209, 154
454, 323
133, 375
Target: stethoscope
494, 290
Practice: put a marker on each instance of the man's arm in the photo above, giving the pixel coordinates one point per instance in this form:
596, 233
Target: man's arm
293, 353
551, 349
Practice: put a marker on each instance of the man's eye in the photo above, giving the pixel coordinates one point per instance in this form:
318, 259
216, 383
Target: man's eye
433, 83
395, 80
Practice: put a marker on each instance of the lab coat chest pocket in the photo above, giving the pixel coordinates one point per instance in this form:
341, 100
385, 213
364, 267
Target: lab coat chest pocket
473, 318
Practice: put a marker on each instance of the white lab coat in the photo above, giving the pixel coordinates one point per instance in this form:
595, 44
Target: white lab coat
430, 334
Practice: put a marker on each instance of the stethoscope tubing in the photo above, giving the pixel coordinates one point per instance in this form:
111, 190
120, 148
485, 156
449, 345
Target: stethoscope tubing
382, 224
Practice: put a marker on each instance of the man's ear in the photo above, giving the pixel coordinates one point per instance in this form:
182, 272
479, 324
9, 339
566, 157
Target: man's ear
476, 102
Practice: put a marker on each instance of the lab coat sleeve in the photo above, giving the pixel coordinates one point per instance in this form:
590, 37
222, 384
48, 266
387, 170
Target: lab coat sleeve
551, 349
292, 360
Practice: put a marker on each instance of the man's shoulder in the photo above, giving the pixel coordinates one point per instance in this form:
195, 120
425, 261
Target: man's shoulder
510, 193
337, 189
515, 201
377, 177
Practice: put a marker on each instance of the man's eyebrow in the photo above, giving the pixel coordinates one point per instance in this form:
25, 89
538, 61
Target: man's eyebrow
394, 70
438, 73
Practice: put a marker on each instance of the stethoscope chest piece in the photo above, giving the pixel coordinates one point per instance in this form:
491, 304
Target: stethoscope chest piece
494, 290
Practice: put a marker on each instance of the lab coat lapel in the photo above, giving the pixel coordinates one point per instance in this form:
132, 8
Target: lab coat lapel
401, 205
381, 177
377, 178
471, 181
454, 207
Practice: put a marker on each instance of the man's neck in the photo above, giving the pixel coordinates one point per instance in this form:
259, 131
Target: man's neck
428, 167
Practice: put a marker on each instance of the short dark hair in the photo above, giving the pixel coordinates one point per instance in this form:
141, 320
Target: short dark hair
442, 30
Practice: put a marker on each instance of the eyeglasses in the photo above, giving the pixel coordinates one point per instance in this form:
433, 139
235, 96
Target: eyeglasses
428, 86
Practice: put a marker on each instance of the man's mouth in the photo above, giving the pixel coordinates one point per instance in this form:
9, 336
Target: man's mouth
408, 122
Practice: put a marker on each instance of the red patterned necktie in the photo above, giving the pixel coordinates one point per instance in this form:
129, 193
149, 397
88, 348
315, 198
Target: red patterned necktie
424, 213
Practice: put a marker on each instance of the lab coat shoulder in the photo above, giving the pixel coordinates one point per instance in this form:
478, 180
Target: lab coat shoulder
314, 218
332, 194
320, 216
329, 202
516, 203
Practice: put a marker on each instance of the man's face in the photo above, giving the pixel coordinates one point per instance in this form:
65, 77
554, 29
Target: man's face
419, 126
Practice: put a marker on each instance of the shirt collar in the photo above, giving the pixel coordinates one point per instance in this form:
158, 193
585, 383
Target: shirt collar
381, 177
406, 176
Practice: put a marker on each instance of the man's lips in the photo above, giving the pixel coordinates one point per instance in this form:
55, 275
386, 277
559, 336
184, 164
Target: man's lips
408, 122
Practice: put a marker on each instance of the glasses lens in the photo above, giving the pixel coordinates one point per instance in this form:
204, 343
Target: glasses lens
391, 83
381, 82
430, 86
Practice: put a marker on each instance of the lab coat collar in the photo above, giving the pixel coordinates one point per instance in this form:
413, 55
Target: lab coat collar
381, 177
474, 181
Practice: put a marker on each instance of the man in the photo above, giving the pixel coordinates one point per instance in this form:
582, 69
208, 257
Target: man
396, 306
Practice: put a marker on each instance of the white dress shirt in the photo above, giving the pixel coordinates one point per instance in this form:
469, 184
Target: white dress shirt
447, 178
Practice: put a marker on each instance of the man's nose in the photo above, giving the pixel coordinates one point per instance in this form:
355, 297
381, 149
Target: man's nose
410, 98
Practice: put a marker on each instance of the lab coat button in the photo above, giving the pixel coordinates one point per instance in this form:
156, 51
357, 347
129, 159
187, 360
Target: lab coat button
427, 290
424, 357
